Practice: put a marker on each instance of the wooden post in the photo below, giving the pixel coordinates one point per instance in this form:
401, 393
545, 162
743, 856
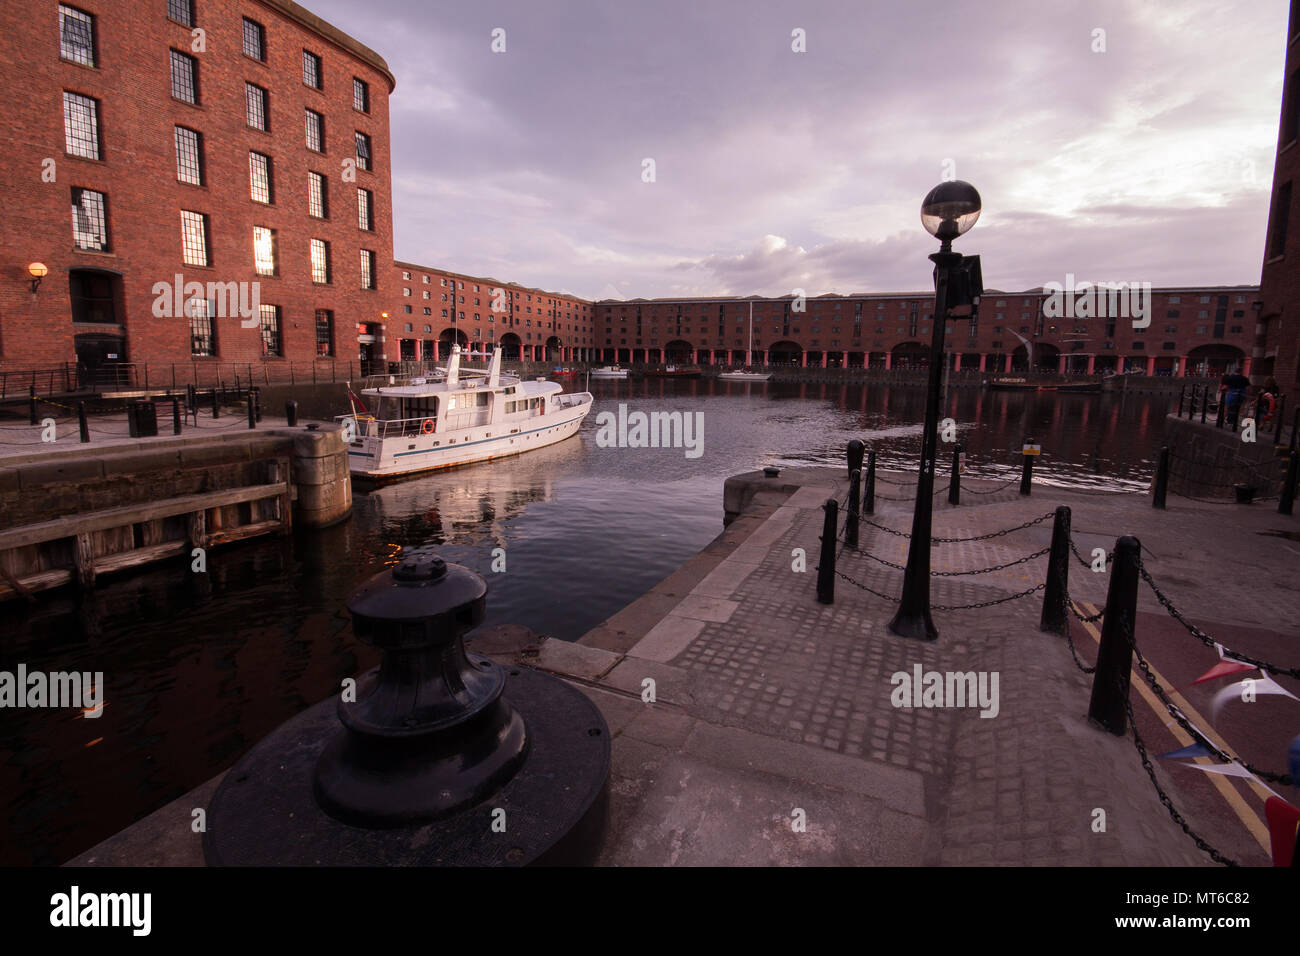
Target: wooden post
84, 556
198, 529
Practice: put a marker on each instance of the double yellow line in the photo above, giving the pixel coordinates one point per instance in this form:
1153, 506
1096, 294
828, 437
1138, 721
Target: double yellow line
1250, 819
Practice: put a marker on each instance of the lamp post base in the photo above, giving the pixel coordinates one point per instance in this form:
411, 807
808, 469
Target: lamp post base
917, 626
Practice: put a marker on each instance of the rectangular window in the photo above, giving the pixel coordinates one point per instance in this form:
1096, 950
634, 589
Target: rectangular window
76, 35
320, 261
256, 109
360, 95
259, 178
185, 77
318, 195
203, 331
189, 156
265, 257
365, 218
1291, 108
254, 40
315, 131
270, 328
1281, 210
367, 269
311, 74
194, 238
182, 11
89, 220
80, 125
324, 333
363, 151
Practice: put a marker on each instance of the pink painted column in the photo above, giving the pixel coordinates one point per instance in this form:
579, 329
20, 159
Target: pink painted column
803, 359
956, 361
1008, 365
764, 357
1245, 366
1092, 364
1060, 365
984, 361
1151, 365
826, 357
1182, 366
889, 361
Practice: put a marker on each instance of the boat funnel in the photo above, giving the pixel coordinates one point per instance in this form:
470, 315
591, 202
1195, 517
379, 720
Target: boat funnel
494, 368
453, 366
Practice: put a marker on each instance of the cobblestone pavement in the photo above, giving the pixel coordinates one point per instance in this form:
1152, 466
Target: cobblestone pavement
769, 703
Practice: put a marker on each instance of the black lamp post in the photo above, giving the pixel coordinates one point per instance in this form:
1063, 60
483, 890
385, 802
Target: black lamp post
948, 211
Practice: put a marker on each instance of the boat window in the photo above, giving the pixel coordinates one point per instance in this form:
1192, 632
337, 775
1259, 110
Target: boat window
425, 406
390, 409
484, 399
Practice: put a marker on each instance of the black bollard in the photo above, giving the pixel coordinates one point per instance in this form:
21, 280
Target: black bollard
954, 483
82, 423
1218, 421
1205, 402
1162, 479
851, 521
1295, 429
826, 563
1056, 616
1110, 684
252, 411
291, 412
31, 403
1286, 500
216, 412
856, 449
1182, 396
1027, 470
444, 757
1278, 415
869, 492
257, 402
176, 415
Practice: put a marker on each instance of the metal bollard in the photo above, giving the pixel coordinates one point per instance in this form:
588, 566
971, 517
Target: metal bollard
1286, 500
82, 423
216, 411
252, 411
1162, 479
954, 483
1295, 429
826, 563
1027, 470
1110, 685
1056, 616
1205, 402
291, 412
1279, 414
257, 402
176, 415
869, 492
851, 522
1218, 421
1182, 396
31, 402
856, 449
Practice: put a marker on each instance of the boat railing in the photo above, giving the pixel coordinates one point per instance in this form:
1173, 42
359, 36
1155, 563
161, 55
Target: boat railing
572, 399
367, 426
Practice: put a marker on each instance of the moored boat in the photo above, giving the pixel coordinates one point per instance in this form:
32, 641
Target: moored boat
461, 417
609, 371
673, 371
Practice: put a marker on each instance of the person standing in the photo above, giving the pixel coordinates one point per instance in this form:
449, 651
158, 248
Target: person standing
1232, 390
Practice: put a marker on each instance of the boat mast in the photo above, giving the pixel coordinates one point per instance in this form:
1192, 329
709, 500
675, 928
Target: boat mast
749, 352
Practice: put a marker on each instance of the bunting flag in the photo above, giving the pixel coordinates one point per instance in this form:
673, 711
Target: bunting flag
1258, 685
1227, 769
1189, 752
1283, 823
1225, 668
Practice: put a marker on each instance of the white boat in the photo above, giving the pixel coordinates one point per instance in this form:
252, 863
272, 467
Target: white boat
609, 371
464, 416
744, 375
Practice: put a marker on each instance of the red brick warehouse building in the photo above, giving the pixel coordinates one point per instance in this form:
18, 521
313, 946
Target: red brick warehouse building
1278, 347
1191, 330
239, 144
436, 308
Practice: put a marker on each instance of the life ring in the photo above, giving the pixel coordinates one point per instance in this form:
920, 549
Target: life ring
1269, 403
427, 426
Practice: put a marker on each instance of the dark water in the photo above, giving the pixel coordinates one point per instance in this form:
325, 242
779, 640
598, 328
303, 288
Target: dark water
199, 667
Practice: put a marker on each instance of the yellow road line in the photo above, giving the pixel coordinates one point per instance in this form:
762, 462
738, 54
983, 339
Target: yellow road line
1249, 818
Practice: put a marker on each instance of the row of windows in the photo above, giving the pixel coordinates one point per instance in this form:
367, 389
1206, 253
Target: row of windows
510, 294
203, 330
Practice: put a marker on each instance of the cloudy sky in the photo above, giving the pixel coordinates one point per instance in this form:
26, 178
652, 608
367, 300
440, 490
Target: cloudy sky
1150, 161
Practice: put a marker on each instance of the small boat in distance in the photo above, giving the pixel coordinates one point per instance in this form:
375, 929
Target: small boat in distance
457, 418
609, 371
745, 375
673, 371
1041, 383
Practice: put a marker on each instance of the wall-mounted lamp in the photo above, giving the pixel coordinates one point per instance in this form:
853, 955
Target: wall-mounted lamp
38, 271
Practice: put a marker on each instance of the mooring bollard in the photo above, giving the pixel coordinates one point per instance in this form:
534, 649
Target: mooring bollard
1110, 684
252, 411
1223, 404
826, 562
1162, 479
216, 412
176, 415
1278, 416
869, 492
82, 423
441, 751
1205, 402
1027, 469
291, 412
954, 483
1182, 396
855, 455
31, 403
1191, 406
1286, 500
1056, 616
851, 522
